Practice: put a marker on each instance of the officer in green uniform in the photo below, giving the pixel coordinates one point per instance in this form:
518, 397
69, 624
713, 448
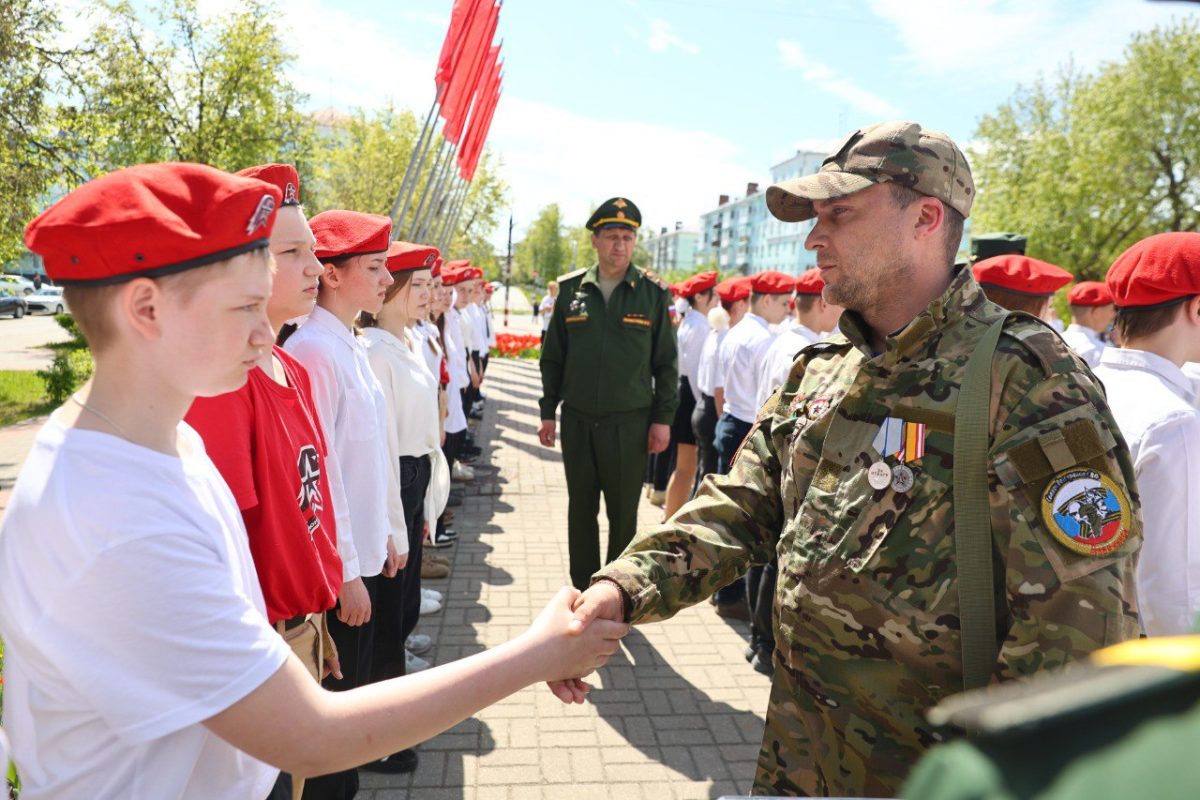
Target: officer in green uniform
1125, 725
609, 358
852, 476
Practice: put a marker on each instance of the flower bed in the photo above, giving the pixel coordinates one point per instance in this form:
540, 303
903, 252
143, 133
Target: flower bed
515, 345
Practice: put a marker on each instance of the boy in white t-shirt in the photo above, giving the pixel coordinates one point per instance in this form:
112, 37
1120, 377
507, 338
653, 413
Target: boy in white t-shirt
139, 661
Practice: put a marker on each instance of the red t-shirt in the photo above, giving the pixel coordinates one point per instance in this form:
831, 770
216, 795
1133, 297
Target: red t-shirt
268, 444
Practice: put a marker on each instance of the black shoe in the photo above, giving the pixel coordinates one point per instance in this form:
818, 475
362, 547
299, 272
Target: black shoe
472, 452
476, 415
751, 652
404, 761
763, 663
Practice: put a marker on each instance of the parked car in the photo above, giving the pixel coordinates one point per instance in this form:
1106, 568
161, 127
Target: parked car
12, 303
23, 286
49, 300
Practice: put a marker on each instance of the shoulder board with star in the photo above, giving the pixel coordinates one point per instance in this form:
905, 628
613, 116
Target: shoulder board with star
579, 273
652, 276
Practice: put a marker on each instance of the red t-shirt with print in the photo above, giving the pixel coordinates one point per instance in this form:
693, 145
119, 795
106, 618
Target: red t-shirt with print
267, 442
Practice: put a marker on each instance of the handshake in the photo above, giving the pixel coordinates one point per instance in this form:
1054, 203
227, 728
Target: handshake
576, 633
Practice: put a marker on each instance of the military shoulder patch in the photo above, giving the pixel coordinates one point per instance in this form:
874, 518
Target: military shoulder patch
1086, 511
568, 276
1036, 336
652, 276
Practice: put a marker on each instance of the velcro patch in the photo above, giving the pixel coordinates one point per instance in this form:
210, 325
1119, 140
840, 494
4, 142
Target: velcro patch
1086, 511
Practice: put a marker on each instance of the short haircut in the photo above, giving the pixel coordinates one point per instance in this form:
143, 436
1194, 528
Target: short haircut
806, 302
1134, 323
952, 223
91, 306
1016, 301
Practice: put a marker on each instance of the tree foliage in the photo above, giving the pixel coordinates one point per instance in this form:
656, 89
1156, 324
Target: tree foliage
1088, 164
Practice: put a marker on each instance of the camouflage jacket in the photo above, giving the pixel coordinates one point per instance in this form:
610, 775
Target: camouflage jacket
866, 606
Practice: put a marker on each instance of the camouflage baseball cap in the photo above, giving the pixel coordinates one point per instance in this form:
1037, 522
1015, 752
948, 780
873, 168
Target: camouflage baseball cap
901, 152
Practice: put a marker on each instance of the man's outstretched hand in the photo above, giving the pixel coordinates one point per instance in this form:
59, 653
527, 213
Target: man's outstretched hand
602, 600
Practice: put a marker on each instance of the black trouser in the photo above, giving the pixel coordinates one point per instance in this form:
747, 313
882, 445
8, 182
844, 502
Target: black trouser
356, 647
704, 423
731, 432
760, 593
414, 481
601, 455
660, 466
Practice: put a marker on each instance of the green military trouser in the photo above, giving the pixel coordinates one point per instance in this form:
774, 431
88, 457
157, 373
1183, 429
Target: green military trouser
602, 454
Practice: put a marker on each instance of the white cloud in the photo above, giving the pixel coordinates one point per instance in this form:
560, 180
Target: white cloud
988, 41
556, 156
827, 80
662, 38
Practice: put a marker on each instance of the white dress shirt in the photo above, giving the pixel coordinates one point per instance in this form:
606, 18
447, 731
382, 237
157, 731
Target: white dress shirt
1085, 342
693, 331
740, 362
479, 328
356, 417
706, 368
1154, 405
456, 365
777, 361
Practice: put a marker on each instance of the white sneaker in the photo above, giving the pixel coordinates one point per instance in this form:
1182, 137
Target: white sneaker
429, 606
413, 663
435, 596
417, 643
462, 472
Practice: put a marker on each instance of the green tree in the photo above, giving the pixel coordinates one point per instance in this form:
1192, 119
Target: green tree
167, 84
1088, 164
482, 212
30, 160
545, 251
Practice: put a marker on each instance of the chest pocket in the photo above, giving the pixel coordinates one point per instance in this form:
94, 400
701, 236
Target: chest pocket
888, 547
636, 322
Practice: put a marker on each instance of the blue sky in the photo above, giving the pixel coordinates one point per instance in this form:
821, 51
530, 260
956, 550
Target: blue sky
674, 102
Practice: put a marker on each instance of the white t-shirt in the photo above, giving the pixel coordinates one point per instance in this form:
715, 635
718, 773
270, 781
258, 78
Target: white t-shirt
739, 364
780, 356
356, 417
1154, 406
546, 308
693, 330
706, 367
131, 613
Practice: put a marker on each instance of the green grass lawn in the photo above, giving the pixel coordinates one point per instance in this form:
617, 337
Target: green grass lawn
22, 395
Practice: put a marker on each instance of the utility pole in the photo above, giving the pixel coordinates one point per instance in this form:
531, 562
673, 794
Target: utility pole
508, 268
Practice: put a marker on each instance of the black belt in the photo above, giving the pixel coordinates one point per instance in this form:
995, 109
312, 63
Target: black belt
295, 622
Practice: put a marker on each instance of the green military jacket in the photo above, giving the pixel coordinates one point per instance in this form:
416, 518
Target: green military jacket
866, 605
607, 358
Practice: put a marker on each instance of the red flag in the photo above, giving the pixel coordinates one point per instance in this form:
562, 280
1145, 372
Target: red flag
476, 127
484, 85
468, 72
460, 22
477, 151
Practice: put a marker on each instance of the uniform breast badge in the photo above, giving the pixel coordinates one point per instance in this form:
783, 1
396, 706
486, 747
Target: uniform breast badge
577, 309
1086, 511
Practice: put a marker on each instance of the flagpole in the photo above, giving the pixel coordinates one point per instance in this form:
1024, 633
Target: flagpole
446, 235
439, 219
410, 174
433, 199
460, 193
433, 173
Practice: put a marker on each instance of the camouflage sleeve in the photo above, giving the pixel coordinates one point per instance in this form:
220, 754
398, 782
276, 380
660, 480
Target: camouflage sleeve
1065, 521
733, 522
552, 360
664, 365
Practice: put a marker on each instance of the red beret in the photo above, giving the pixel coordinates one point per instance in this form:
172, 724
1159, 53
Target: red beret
282, 175
1089, 293
458, 263
1021, 274
1157, 270
406, 256
489, 288
437, 267
151, 220
771, 282
350, 233
700, 282
733, 289
452, 277
810, 282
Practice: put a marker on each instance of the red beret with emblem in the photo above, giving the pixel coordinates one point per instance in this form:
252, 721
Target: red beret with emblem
350, 233
406, 257
1090, 294
810, 282
437, 267
152, 220
700, 282
733, 289
451, 276
771, 282
284, 176
1021, 274
1161, 269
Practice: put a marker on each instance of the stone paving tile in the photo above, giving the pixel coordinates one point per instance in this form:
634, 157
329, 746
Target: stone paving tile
677, 714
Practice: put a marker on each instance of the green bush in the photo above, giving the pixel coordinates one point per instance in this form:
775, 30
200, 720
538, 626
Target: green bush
68, 324
69, 369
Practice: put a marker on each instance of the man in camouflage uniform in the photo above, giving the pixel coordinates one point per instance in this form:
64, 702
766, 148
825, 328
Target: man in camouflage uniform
848, 474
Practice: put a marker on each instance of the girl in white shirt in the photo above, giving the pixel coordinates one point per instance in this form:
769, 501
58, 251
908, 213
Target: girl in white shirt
412, 395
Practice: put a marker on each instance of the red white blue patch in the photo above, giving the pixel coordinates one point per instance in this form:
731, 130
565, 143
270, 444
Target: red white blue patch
1086, 511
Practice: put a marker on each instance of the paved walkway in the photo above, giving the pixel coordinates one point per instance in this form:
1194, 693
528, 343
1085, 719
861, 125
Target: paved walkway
677, 715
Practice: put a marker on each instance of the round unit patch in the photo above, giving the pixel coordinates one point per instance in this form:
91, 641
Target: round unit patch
1086, 511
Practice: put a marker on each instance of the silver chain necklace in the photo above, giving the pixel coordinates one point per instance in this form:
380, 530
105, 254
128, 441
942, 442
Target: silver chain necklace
102, 416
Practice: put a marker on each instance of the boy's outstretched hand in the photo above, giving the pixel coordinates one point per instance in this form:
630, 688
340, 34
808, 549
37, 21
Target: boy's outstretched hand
600, 605
571, 647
